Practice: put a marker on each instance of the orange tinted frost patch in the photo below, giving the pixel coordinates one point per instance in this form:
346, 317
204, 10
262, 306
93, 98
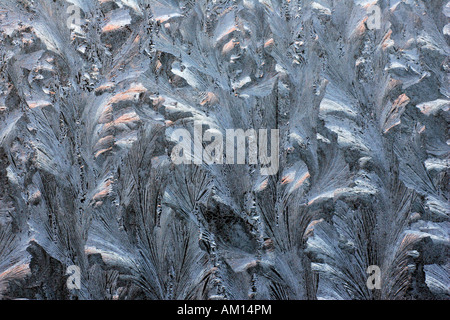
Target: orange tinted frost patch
226, 33
210, 99
401, 101
288, 178
368, 5
361, 28
127, 117
103, 145
302, 180
158, 65
229, 46
35, 197
104, 192
268, 245
19, 270
106, 115
130, 94
112, 27
310, 228
409, 239
98, 153
396, 111
166, 17
262, 186
105, 140
157, 102
90, 250
107, 129
322, 196
269, 43
105, 87
426, 109
16, 271
22, 268
36, 104
393, 83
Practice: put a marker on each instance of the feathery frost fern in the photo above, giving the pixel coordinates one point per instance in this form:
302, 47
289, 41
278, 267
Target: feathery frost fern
86, 179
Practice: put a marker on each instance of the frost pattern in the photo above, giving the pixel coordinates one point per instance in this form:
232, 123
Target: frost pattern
86, 177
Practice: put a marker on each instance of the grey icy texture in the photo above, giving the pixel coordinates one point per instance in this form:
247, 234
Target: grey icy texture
86, 177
